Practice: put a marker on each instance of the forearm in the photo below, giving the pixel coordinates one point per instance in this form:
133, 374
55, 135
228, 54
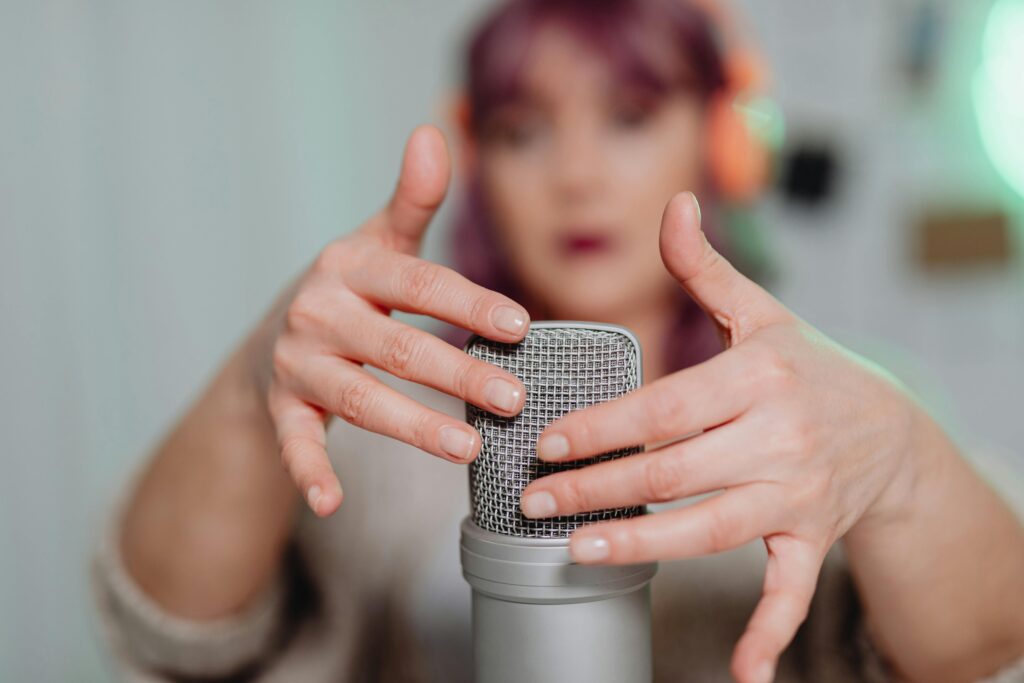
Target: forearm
205, 529
940, 568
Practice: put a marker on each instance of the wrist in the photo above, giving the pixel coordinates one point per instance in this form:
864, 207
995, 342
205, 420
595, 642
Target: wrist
240, 389
920, 453
252, 361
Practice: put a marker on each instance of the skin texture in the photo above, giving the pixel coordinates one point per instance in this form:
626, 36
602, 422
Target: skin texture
353, 285
807, 443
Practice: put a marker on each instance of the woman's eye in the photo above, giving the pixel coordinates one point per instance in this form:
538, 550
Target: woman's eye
630, 116
517, 134
514, 131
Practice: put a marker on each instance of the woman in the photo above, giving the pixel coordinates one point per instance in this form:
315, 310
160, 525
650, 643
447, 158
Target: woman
585, 120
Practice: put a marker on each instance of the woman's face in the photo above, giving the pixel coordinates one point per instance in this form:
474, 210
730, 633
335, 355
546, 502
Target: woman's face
577, 173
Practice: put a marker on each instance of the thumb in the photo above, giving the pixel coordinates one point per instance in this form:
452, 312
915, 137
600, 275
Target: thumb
422, 184
737, 305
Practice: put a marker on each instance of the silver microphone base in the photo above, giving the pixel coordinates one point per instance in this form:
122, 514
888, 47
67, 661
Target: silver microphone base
538, 617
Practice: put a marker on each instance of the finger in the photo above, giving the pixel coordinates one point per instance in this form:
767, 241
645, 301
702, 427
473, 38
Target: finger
790, 579
415, 355
701, 464
422, 184
699, 397
735, 303
301, 439
410, 284
720, 523
353, 394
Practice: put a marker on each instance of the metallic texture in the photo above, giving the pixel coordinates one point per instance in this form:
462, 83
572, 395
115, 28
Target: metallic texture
564, 366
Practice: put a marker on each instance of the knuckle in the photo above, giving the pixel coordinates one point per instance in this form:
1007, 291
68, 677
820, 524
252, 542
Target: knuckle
663, 412
291, 451
813, 490
573, 493
287, 452
796, 604
342, 257
801, 435
424, 430
801, 608
662, 479
772, 369
479, 309
353, 401
793, 436
720, 532
419, 283
466, 377
791, 608
358, 257
416, 430
398, 351
710, 260
282, 364
294, 318
583, 433
270, 396
302, 314
330, 258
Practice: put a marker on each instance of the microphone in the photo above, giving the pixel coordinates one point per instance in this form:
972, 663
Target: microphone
537, 616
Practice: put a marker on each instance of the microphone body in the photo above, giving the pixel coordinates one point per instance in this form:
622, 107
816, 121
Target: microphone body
537, 616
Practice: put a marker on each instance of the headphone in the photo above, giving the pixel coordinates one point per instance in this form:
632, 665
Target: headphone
742, 134
743, 129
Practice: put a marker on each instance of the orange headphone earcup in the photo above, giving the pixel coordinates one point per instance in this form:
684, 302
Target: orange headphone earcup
738, 161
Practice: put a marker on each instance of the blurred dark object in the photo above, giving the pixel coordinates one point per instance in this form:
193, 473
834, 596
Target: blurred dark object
960, 239
808, 174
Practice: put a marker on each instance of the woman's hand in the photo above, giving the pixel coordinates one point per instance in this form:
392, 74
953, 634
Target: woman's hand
310, 351
805, 439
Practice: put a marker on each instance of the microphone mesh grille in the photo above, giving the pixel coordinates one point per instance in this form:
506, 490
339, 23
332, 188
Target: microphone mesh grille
563, 369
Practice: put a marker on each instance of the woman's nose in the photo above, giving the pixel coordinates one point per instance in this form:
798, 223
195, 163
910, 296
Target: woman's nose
578, 164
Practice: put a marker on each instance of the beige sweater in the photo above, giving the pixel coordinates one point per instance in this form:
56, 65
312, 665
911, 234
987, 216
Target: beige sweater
375, 593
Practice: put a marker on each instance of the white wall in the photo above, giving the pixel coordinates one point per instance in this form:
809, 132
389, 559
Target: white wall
166, 166
958, 340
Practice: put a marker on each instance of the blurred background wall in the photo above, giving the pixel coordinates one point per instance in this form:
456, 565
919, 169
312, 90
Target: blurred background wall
165, 167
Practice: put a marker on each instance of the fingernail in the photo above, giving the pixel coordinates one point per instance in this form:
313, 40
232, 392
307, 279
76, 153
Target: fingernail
508, 319
765, 673
696, 204
590, 549
502, 395
313, 496
552, 447
456, 442
539, 505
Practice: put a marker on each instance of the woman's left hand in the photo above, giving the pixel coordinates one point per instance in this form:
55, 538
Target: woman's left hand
806, 439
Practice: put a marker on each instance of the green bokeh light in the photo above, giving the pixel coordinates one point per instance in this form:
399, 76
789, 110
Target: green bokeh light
764, 118
999, 91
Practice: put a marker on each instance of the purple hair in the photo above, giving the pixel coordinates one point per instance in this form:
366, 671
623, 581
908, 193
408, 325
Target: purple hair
621, 32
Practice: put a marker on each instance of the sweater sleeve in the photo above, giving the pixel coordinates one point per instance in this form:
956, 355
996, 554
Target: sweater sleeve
155, 645
1007, 480
311, 621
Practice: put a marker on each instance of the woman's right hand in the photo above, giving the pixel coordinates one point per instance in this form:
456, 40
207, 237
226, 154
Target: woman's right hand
311, 349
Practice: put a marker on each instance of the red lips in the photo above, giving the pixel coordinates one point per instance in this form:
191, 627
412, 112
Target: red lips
584, 244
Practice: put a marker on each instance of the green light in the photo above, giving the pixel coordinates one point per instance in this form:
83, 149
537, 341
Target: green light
764, 118
999, 91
